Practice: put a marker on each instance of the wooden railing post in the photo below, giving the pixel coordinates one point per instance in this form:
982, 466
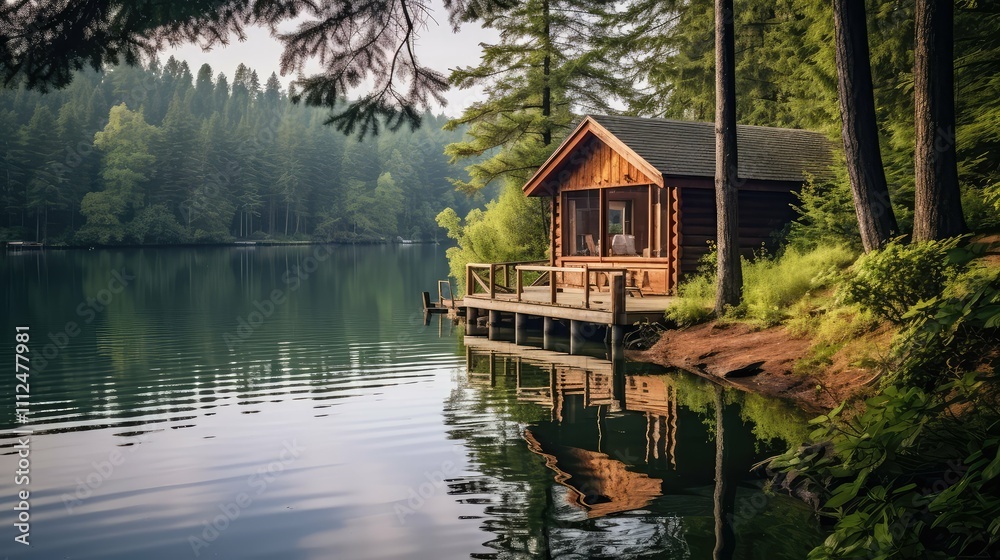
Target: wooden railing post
520, 282
470, 286
617, 297
493, 284
552, 288
586, 286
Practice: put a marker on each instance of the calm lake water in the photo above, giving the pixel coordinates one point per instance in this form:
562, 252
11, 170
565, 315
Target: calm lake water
290, 403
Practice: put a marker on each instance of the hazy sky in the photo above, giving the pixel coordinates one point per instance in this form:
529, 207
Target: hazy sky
438, 48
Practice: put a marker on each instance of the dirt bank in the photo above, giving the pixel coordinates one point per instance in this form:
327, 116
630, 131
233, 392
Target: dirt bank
761, 361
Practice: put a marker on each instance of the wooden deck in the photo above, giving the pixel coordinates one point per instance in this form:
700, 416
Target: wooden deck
570, 305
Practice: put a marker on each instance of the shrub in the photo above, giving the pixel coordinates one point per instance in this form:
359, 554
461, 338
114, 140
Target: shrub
906, 478
826, 214
696, 295
890, 281
772, 286
952, 332
511, 228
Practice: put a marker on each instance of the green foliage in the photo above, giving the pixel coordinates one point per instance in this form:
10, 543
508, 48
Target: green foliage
771, 286
643, 335
950, 332
155, 224
103, 226
825, 214
694, 302
511, 228
891, 281
906, 478
786, 76
549, 59
225, 159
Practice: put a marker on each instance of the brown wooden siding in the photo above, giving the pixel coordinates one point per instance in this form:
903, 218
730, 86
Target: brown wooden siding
761, 214
596, 165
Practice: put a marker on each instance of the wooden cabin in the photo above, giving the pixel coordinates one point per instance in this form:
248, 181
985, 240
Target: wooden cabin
640, 193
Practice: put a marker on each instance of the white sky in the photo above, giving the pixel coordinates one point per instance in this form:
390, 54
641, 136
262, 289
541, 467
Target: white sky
437, 48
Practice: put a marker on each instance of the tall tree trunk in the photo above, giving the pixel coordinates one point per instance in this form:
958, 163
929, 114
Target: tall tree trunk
546, 117
546, 72
938, 209
876, 220
729, 287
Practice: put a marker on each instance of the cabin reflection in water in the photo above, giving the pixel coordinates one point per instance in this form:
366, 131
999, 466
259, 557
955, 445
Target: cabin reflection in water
632, 451
574, 387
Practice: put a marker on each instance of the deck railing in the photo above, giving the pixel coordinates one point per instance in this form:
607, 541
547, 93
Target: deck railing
489, 279
492, 278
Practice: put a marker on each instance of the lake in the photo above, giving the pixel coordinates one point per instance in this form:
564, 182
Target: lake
290, 402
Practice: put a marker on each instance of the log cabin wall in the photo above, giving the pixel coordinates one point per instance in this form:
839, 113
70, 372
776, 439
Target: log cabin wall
764, 209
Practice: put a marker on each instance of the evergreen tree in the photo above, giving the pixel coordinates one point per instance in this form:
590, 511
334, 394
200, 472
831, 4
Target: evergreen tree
44, 174
11, 171
251, 164
203, 96
548, 62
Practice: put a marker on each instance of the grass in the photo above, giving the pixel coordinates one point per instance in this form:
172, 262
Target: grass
775, 289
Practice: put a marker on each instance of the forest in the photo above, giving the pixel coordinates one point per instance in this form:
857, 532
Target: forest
154, 154
890, 268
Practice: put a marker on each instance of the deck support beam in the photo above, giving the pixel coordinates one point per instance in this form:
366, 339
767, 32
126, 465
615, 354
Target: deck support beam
549, 333
494, 328
472, 322
520, 328
576, 338
617, 379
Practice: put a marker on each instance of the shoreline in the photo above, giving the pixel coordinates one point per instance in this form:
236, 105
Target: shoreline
758, 361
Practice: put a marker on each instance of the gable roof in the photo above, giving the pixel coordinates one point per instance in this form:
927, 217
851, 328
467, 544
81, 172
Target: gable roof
687, 149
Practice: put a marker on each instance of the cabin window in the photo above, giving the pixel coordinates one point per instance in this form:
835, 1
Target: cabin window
628, 227
582, 223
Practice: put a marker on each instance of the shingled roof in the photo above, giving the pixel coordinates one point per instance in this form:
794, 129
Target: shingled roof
687, 148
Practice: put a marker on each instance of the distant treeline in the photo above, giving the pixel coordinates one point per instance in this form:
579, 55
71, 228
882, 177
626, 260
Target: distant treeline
155, 154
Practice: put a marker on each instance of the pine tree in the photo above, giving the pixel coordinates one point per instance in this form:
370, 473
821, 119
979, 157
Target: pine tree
44, 173
202, 100
11, 171
547, 63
